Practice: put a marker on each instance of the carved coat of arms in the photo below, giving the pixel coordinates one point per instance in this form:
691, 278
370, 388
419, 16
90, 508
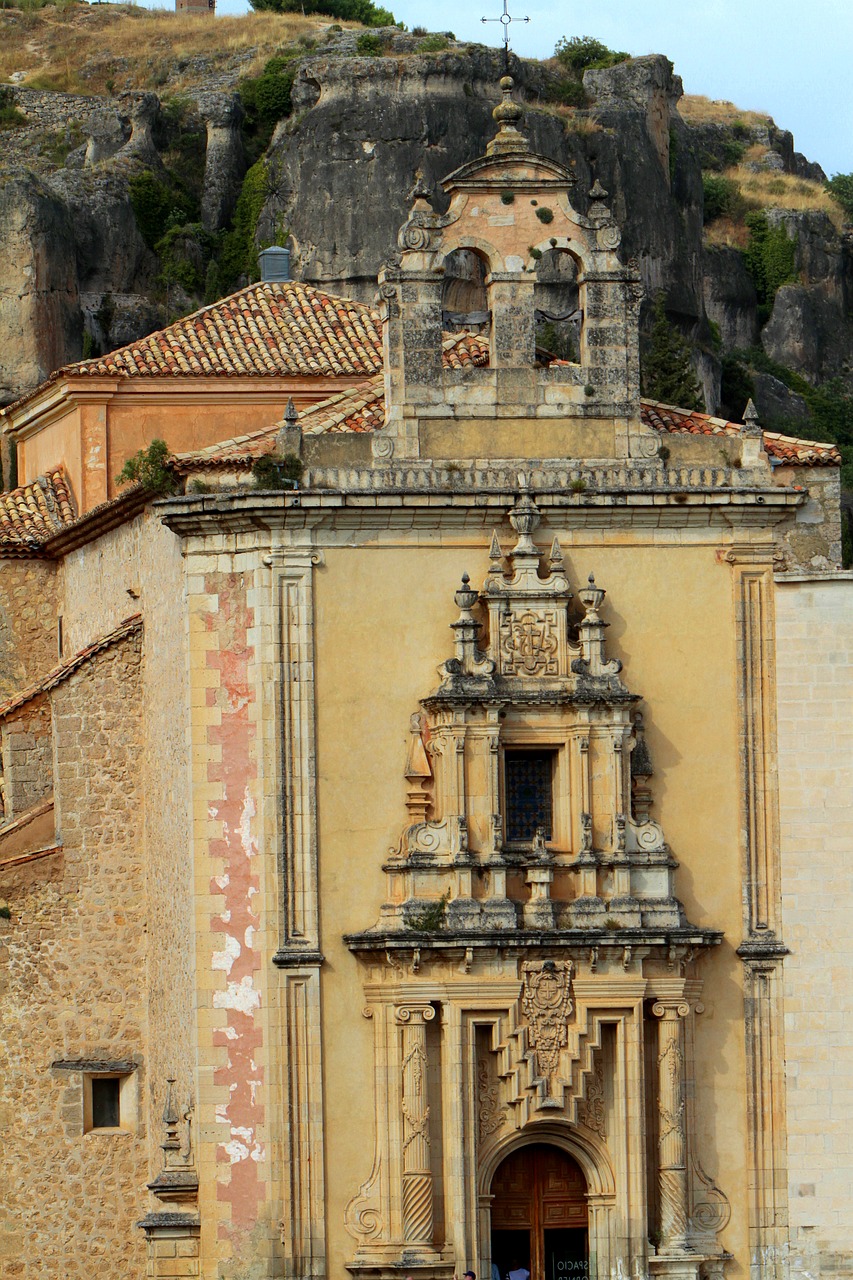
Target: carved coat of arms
546, 1001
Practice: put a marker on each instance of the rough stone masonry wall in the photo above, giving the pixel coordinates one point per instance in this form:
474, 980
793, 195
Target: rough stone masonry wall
72, 969
144, 558
27, 757
28, 642
814, 627
168, 827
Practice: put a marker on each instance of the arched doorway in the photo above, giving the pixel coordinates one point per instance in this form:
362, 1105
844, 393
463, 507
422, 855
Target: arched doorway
539, 1215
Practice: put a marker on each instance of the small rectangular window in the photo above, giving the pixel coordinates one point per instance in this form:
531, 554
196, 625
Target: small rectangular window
106, 1105
528, 795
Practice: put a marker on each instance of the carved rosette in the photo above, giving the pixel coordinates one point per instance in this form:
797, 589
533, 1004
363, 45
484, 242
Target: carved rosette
417, 1188
672, 1170
546, 1001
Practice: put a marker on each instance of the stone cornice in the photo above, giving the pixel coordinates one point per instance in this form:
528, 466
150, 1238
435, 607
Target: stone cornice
520, 941
372, 499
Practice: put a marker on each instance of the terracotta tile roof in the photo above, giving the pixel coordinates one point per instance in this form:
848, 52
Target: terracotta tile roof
64, 669
32, 513
786, 450
264, 330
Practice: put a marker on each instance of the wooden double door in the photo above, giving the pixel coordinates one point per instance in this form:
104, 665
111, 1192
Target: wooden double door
539, 1215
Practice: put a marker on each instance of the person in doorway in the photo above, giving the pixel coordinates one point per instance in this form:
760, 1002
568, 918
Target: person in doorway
517, 1271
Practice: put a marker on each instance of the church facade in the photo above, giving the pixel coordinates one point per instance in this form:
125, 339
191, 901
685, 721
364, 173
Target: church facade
414, 870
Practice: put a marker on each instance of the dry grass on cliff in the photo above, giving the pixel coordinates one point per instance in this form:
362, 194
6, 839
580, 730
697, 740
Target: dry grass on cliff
769, 189
108, 48
696, 109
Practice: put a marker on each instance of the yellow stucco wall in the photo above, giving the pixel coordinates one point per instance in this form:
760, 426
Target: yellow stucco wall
671, 615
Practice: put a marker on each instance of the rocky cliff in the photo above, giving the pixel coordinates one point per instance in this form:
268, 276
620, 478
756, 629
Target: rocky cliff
77, 260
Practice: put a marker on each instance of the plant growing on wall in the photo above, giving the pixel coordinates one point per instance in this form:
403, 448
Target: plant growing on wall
430, 918
150, 469
273, 472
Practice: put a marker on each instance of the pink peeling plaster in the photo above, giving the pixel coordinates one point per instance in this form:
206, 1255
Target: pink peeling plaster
235, 928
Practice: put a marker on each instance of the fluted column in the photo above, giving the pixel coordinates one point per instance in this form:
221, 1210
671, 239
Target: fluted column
417, 1197
672, 1159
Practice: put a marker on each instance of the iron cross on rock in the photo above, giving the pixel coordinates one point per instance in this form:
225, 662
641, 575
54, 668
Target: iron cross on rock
505, 19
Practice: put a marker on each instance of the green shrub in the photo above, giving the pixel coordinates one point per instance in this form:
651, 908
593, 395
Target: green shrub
433, 44
733, 152
840, 185
723, 199
544, 214
267, 98
149, 468
582, 53
363, 11
10, 116
57, 144
770, 258
567, 93
159, 204
369, 45
272, 472
184, 254
666, 370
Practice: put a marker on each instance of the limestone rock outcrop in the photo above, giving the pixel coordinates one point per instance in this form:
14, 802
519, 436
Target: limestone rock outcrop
339, 173
40, 319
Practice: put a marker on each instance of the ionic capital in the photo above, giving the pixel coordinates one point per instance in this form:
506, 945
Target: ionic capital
413, 1014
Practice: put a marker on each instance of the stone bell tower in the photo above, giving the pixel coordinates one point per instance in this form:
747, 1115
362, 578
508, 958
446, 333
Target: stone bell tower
510, 208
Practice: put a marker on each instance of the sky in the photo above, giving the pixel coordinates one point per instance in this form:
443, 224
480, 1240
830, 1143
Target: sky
791, 59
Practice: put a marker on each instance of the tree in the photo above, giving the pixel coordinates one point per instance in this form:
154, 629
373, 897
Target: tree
667, 373
363, 11
841, 186
579, 53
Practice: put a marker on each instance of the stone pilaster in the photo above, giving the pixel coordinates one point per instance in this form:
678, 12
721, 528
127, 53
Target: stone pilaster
417, 1189
762, 950
303, 1229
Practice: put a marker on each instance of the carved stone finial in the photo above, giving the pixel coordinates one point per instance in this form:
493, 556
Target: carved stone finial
496, 556
594, 661
599, 211
466, 597
171, 1119
555, 559
421, 189
525, 519
508, 115
592, 597
751, 424
641, 760
418, 774
469, 660
288, 436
